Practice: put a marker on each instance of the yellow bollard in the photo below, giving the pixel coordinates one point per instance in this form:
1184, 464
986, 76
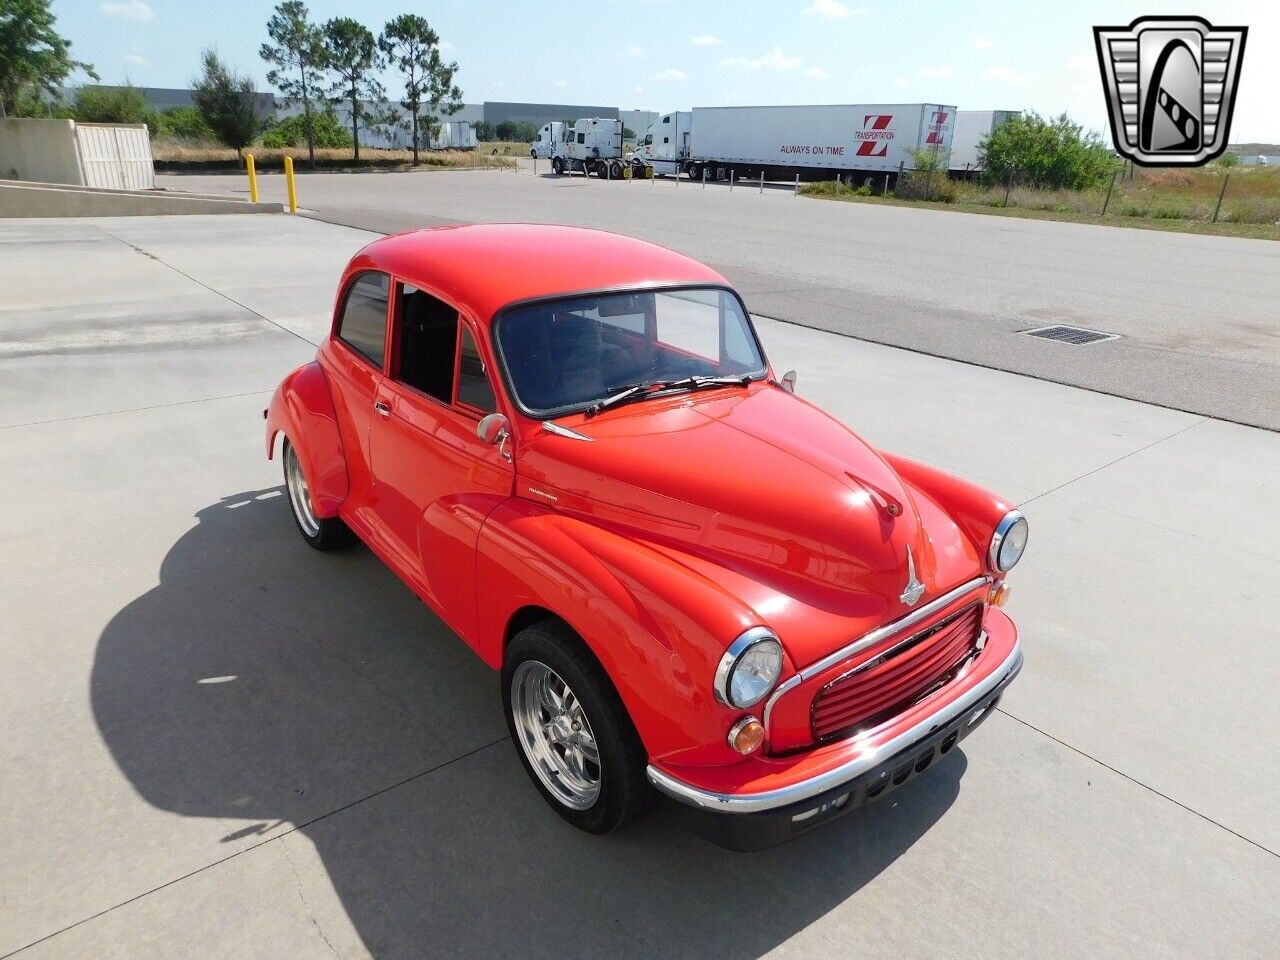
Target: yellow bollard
288, 179
253, 177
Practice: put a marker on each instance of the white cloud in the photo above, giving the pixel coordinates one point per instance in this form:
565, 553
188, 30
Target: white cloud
817, 73
446, 46
834, 9
500, 84
128, 10
633, 51
775, 59
705, 40
902, 83
982, 43
135, 58
562, 83
1005, 75
935, 73
638, 89
671, 73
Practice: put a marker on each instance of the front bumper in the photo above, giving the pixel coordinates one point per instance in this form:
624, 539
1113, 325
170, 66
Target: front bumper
756, 820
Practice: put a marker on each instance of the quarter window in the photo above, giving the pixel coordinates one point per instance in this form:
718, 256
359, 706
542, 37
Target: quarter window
363, 325
474, 388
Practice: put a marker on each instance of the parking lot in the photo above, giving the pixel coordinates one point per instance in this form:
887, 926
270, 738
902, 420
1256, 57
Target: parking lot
221, 743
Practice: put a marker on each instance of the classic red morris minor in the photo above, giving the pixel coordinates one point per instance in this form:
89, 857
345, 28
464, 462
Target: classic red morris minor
570, 445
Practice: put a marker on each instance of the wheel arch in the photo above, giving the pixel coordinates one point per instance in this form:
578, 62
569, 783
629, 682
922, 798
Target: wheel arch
302, 410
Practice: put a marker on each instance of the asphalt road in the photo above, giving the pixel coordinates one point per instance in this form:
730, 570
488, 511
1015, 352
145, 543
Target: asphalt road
1199, 317
219, 743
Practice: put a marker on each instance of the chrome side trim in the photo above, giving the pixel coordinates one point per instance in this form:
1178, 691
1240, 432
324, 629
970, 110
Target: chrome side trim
870, 640
854, 767
560, 431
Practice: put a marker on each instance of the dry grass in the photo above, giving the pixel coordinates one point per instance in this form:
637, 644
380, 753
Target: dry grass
505, 148
1163, 199
175, 155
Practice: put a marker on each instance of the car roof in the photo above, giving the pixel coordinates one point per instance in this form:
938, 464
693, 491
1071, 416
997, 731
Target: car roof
484, 267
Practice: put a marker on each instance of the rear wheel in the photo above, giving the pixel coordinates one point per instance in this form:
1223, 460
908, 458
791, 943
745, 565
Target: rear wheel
323, 533
602, 170
571, 731
615, 169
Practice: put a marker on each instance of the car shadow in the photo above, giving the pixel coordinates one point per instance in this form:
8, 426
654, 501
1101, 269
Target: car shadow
269, 685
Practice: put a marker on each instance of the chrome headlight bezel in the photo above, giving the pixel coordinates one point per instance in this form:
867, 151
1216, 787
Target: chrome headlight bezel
1000, 538
749, 640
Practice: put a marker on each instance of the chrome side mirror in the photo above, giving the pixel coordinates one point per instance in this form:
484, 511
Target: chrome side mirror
789, 381
494, 429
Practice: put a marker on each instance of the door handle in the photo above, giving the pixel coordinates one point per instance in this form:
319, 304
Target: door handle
382, 409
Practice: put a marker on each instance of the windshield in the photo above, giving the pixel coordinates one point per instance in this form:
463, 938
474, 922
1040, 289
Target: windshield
566, 355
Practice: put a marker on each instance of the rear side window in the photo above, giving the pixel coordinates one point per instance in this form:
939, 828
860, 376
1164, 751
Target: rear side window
363, 324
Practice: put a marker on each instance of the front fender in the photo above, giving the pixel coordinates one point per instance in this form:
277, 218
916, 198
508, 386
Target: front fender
302, 409
657, 627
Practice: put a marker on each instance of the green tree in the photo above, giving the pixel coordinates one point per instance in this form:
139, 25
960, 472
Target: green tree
485, 131
1229, 160
114, 105
413, 49
353, 56
226, 102
187, 123
1046, 153
299, 55
34, 58
327, 132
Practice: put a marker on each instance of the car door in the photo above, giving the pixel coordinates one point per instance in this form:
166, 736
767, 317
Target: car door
435, 480
354, 359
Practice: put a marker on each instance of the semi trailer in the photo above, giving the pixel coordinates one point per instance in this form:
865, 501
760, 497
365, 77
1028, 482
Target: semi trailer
814, 142
454, 135
972, 128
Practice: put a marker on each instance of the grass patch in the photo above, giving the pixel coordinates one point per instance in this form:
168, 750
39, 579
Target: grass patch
504, 148
1181, 200
173, 155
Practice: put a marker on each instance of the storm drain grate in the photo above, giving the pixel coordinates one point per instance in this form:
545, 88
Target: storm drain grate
1072, 335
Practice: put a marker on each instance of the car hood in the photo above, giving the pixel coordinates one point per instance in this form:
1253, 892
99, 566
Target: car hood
760, 484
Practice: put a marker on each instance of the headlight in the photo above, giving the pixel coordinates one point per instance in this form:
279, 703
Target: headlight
1008, 542
749, 668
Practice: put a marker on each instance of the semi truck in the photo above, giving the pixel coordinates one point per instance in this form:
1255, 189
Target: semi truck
454, 135
972, 127
548, 137
590, 145
852, 141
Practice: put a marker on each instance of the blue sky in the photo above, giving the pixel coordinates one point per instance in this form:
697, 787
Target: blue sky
669, 54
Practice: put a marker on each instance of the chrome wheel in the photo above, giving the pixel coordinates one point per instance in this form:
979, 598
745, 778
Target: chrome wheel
554, 734
299, 495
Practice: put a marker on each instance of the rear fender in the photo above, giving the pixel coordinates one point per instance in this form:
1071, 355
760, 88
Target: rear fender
658, 628
302, 410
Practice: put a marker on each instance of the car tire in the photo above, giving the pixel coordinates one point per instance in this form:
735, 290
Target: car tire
322, 533
548, 668
557, 166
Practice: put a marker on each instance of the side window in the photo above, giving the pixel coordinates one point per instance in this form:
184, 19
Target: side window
363, 324
474, 388
428, 331
582, 138
666, 139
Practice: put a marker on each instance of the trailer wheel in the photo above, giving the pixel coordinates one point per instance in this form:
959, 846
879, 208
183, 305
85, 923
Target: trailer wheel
557, 166
615, 170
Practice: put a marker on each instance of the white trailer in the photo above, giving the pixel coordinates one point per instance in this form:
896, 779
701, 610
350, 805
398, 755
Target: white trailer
454, 135
972, 127
666, 144
591, 145
545, 145
815, 142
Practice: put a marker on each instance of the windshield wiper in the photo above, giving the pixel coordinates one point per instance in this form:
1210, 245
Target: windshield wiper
635, 392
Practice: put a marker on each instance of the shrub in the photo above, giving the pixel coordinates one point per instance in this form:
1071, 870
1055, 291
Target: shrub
185, 123
522, 131
1046, 153
292, 132
114, 105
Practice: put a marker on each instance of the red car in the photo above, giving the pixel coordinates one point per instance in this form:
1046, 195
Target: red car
570, 445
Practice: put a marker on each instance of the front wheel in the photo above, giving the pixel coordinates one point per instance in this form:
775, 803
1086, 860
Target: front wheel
322, 533
557, 166
571, 731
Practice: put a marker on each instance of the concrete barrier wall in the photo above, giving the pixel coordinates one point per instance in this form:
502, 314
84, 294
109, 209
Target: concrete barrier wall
43, 151
44, 200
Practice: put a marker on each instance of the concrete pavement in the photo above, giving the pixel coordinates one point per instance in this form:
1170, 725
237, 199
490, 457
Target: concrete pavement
221, 743
1199, 316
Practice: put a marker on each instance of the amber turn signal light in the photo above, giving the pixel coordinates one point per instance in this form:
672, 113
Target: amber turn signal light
746, 735
998, 594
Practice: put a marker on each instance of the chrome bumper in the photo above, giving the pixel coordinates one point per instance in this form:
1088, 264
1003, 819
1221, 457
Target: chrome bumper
852, 769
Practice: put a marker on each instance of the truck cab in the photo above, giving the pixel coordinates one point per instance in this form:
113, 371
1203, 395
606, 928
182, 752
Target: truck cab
550, 134
590, 145
665, 147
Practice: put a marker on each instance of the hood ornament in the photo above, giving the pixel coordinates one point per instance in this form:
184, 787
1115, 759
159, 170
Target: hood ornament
914, 589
